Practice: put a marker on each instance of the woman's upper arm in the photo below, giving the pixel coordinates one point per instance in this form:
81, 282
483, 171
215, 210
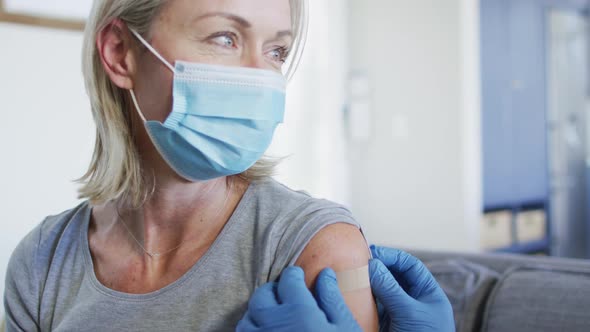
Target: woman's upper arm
341, 247
21, 288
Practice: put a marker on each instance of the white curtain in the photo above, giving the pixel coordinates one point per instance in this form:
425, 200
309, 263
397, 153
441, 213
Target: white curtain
313, 135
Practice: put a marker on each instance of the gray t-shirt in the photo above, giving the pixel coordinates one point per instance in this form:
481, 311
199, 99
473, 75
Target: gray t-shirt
51, 284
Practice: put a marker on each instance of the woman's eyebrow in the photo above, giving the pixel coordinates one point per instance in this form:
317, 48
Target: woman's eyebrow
284, 33
240, 20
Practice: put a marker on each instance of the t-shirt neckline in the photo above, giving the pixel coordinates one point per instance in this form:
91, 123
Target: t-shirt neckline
200, 264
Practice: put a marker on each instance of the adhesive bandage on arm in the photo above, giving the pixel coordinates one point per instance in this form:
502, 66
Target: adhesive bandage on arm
352, 280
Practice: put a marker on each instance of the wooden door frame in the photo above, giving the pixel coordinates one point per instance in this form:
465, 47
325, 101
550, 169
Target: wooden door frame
39, 21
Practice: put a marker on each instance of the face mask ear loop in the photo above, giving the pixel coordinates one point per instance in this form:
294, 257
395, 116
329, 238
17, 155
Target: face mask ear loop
137, 105
160, 57
153, 50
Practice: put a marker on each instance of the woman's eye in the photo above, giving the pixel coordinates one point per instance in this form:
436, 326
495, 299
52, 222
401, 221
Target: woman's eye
225, 40
279, 54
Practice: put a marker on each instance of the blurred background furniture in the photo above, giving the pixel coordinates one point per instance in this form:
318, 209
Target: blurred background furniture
505, 292
535, 99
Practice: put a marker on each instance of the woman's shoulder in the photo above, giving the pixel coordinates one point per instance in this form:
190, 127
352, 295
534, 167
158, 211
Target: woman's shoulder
290, 210
41, 242
54, 227
293, 219
31, 262
273, 188
272, 194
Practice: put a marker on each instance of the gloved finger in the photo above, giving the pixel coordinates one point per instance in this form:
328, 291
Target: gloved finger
292, 288
411, 273
330, 298
246, 324
283, 316
264, 297
385, 288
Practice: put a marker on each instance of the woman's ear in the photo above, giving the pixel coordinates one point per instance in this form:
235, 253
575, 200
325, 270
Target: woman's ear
114, 46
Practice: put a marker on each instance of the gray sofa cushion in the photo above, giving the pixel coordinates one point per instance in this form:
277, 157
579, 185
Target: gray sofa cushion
539, 299
467, 286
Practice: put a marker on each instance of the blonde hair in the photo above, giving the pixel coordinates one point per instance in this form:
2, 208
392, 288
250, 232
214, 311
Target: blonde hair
115, 169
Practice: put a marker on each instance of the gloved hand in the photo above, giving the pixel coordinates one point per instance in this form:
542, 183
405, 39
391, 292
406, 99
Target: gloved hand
289, 306
416, 303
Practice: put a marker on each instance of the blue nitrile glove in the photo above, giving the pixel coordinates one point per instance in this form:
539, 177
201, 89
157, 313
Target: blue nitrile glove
416, 303
289, 306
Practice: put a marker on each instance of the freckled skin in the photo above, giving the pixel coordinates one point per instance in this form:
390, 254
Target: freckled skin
341, 247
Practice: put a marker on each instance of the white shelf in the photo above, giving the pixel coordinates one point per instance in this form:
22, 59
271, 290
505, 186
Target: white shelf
60, 9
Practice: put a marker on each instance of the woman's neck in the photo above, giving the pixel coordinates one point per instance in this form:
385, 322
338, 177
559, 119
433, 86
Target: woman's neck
176, 213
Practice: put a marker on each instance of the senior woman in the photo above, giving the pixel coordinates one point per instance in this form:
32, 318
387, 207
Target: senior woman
182, 221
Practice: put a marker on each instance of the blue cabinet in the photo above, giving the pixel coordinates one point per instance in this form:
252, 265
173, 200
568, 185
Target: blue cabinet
514, 119
497, 121
515, 60
514, 104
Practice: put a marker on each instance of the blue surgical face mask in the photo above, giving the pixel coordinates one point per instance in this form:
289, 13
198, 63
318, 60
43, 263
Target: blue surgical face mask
222, 120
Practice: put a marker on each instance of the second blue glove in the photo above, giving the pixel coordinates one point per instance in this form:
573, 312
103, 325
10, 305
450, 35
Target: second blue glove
288, 305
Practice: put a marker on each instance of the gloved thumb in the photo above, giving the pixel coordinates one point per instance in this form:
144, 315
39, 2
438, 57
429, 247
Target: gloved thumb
385, 288
331, 301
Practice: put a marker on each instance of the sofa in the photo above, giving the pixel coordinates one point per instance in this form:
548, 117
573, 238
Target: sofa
501, 292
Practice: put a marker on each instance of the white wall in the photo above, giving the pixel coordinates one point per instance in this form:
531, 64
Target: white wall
416, 180
312, 137
46, 132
